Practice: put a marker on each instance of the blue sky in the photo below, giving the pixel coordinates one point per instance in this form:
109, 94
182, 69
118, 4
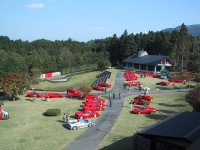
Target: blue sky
84, 20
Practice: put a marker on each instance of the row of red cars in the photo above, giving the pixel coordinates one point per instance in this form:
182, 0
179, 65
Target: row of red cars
49, 95
101, 86
130, 76
92, 105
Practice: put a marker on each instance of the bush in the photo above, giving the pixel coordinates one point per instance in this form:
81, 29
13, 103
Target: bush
53, 112
145, 103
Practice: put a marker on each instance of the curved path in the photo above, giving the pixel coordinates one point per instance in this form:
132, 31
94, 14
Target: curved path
90, 139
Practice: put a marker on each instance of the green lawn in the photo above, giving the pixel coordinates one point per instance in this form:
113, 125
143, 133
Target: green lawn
121, 134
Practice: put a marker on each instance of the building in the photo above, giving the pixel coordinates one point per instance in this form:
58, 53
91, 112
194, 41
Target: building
181, 131
148, 63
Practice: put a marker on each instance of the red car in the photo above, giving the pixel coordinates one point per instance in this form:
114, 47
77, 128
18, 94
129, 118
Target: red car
54, 95
38, 95
139, 102
94, 108
97, 87
163, 83
175, 80
79, 95
144, 97
105, 84
95, 100
133, 83
91, 103
91, 96
73, 90
86, 114
144, 110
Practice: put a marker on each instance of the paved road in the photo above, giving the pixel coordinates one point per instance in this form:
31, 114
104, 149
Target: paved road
93, 136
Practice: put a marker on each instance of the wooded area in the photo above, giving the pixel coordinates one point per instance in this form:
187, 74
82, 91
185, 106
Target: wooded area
69, 56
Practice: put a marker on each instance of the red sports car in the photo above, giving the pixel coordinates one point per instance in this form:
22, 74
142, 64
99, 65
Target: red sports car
91, 96
79, 95
95, 100
144, 110
139, 102
38, 95
94, 108
91, 103
73, 90
133, 83
105, 84
144, 97
86, 114
163, 83
97, 87
175, 80
55, 95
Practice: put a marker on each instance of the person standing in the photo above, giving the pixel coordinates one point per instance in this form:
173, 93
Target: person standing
67, 116
113, 95
64, 118
131, 103
129, 89
110, 102
120, 95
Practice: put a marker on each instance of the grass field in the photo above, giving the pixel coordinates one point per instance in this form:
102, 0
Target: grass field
121, 135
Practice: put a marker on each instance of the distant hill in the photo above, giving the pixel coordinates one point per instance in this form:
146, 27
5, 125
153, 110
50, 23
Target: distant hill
193, 30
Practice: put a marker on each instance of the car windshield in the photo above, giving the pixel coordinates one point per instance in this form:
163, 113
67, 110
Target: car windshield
85, 121
89, 112
95, 106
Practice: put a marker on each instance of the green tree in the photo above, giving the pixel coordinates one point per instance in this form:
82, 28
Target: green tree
14, 84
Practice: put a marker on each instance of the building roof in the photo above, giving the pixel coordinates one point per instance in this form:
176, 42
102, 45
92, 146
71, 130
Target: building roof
184, 126
147, 59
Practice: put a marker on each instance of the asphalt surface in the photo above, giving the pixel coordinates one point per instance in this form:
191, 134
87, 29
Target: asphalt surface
90, 139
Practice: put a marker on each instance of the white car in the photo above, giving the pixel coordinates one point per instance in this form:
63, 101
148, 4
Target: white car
79, 123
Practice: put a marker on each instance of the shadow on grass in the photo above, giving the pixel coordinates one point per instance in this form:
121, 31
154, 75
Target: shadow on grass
179, 99
166, 111
171, 105
29, 100
157, 117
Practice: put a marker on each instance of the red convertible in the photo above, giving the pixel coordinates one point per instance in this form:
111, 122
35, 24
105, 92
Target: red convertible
94, 108
97, 87
144, 110
95, 100
92, 103
105, 84
73, 90
91, 96
133, 83
139, 102
163, 83
86, 114
38, 95
79, 95
175, 80
54, 95
144, 97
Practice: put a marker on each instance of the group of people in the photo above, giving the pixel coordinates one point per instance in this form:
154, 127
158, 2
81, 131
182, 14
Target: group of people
65, 117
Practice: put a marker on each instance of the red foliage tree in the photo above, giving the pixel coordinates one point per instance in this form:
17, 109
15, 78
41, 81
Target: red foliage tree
14, 84
85, 89
193, 98
186, 75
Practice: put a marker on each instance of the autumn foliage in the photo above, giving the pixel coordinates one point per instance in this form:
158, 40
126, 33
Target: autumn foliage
186, 75
85, 89
193, 98
14, 83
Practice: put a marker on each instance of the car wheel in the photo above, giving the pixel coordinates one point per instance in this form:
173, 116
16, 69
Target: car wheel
152, 112
139, 113
50, 96
172, 81
81, 117
100, 109
101, 105
74, 128
134, 103
179, 82
95, 115
60, 96
71, 96
81, 96
101, 101
90, 125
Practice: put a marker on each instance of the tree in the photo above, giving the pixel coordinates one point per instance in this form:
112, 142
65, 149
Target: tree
14, 84
193, 98
103, 64
185, 75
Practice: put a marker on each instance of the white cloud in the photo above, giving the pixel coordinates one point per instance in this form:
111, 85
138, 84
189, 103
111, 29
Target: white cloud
35, 5
51, 0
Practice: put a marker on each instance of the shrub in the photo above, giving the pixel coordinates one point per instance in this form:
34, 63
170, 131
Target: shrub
145, 103
53, 112
193, 98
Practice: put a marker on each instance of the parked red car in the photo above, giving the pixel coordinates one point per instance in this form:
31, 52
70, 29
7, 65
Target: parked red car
144, 97
79, 95
139, 102
95, 100
38, 95
105, 84
163, 83
97, 87
92, 103
144, 110
133, 83
86, 114
91, 96
94, 108
73, 90
55, 95
175, 80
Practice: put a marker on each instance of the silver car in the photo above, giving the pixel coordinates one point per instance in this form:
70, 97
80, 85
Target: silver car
79, 123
